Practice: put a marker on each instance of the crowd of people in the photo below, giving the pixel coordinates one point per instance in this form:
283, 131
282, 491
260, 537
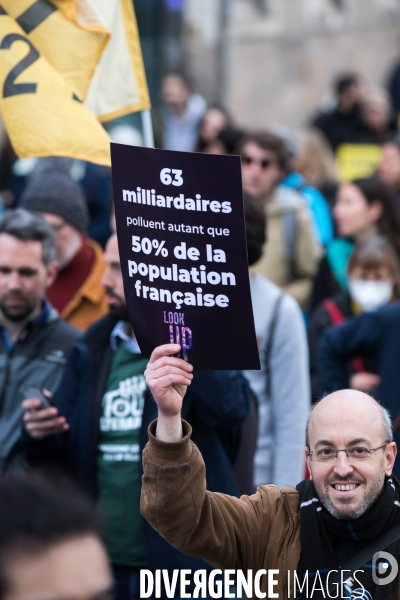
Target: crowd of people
322, 213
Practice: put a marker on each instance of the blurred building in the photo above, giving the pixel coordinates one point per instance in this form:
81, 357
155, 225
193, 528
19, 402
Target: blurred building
274, 60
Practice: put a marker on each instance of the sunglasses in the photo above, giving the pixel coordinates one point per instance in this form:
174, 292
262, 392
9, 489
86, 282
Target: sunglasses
264, 164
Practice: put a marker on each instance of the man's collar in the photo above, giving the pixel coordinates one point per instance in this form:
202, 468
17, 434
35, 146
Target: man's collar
46, 314
119, 333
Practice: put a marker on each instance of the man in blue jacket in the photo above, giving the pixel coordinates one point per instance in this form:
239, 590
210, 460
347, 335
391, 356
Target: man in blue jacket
370, 334
98, 428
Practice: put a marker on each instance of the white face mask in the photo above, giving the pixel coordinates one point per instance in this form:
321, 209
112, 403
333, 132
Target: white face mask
370, 295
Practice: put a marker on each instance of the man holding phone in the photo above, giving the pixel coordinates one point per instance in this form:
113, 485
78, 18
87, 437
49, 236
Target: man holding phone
34, 341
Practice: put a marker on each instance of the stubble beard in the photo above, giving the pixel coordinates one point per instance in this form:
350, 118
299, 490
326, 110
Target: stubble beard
119, 311
346, 513
16, 317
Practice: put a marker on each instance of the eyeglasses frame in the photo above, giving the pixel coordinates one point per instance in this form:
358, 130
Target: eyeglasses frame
370, 450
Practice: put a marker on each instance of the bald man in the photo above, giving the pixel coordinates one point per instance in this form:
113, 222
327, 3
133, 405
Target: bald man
312, 530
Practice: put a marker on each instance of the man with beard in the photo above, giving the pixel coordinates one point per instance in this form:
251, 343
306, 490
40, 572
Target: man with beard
100, 415
351, 499
34, 342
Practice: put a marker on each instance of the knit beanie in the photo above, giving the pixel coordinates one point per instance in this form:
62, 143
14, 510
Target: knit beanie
52, 190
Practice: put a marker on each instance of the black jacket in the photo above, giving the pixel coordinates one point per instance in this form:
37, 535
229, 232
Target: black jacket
320, 321
339, 128
368, 335
324, 284
215, 404
37, 359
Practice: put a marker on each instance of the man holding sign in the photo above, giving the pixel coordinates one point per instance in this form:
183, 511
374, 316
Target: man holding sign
101, 413
301, 542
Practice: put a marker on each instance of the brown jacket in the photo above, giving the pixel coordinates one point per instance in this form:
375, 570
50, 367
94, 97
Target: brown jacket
253, 532
89, 303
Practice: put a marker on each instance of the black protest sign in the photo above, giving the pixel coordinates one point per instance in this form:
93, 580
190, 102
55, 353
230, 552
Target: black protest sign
182, 244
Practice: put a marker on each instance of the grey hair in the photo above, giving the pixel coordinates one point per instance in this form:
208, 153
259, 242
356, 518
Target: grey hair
385, 415
28, 227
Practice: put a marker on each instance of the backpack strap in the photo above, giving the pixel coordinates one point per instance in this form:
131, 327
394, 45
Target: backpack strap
357, 562
334, 312
270, 340
337, 317
290, 234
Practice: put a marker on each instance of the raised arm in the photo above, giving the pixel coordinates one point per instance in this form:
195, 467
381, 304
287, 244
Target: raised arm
167, 378
225, 531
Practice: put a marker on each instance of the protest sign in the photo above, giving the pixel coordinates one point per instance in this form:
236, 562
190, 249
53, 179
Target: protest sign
182, 244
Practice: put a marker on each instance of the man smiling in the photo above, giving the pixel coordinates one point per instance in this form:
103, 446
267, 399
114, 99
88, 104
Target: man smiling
348, 485
350, 500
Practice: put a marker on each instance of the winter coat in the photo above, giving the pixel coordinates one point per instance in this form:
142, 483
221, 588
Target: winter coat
291, 253
282, 386
371, 334
37, 359
320, 320
254, 532
89, 304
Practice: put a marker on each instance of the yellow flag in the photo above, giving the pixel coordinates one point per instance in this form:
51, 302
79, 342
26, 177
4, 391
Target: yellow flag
70, 38
94, 45
55, 54
42, 113
119, 84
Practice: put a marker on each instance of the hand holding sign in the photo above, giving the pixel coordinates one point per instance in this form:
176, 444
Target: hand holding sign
183, 254
167, 378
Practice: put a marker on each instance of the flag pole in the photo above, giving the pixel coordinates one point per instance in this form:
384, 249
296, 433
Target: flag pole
147, 129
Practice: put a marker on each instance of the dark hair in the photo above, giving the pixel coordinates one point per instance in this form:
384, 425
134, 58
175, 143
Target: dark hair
28, 227
201, 143
344, 81
375, 190
269, 142
221, 109
230, 137
373, 253
179, 74
255, 218
36, 514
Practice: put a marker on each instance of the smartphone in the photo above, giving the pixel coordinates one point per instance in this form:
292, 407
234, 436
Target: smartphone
32, 392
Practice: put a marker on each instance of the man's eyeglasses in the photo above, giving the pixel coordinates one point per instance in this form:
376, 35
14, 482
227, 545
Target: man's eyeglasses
352, 452
265, 163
